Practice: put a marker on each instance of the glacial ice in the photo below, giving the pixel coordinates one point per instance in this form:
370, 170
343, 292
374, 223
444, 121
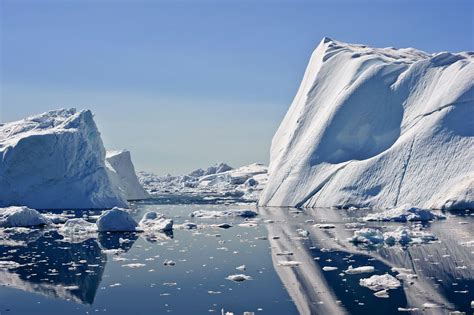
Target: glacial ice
116, 220
155, 222
378, 128
380, 282
55, 160
122, 173
21, 217
221, 180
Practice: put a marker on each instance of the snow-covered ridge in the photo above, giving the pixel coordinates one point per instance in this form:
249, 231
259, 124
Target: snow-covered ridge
56, 160
219, 180
377, 127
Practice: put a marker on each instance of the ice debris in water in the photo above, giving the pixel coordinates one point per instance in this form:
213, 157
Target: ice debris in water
21, 217
289, 263
153, 221
380, 282
79, 226
116, 220
238, 277
8, 264
403, 214
329, 268
401, 235
358, 270
210, 214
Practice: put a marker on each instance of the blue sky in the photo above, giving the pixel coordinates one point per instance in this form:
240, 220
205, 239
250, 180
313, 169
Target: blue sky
190, 83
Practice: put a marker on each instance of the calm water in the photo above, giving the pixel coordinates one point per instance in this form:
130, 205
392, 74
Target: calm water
124, 273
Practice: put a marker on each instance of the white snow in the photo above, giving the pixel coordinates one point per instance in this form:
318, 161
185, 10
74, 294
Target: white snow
403, 214
116, 220
211, 214
376, 127
380, 282
155, 222
122, 172
21, 217
55, 160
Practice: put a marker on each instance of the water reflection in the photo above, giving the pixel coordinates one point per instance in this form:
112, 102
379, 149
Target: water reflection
442, 271
47, 263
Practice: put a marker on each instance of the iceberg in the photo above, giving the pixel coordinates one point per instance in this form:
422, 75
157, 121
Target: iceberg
122, 172
55, 160
21, 217
378, 128
116, 220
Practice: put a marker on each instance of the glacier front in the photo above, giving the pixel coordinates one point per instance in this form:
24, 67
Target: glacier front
55, 160
377, 127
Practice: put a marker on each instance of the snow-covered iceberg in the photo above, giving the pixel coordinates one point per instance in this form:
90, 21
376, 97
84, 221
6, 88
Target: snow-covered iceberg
377, 127
55, 160
122, 172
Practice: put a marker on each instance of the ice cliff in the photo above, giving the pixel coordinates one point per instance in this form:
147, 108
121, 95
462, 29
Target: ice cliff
377, 127
123, 174
56, 160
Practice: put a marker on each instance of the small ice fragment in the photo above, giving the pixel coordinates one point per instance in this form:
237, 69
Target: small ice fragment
380, 282
329, 268
115, 285
135, 265
116, 220
241, 268
302, 233
382, 294
238, 277
357, 270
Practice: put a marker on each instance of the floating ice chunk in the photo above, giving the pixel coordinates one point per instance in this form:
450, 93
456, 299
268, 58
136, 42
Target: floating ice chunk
241, 268
210, 214
302, 233
21, 217
238, 277
358, 270
430, 305
116, 220
367, 236
403, 214
134, 265
380, 282
382, 294
406, 236
329, 268
77, 230
153, 221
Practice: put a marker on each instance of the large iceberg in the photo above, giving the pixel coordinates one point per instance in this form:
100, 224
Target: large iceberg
55, 160
122, 172
377, 127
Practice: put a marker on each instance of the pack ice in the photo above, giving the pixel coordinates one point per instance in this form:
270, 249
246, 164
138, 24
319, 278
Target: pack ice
377, 127
56, 160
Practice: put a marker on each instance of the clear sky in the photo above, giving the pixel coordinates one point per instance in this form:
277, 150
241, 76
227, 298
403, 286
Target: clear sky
190, 83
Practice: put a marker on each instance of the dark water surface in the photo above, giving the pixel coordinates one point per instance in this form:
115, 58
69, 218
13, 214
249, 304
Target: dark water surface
123, 273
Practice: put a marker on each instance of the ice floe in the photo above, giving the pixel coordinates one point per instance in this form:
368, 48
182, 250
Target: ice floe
212, 214
403, 214
116, 220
